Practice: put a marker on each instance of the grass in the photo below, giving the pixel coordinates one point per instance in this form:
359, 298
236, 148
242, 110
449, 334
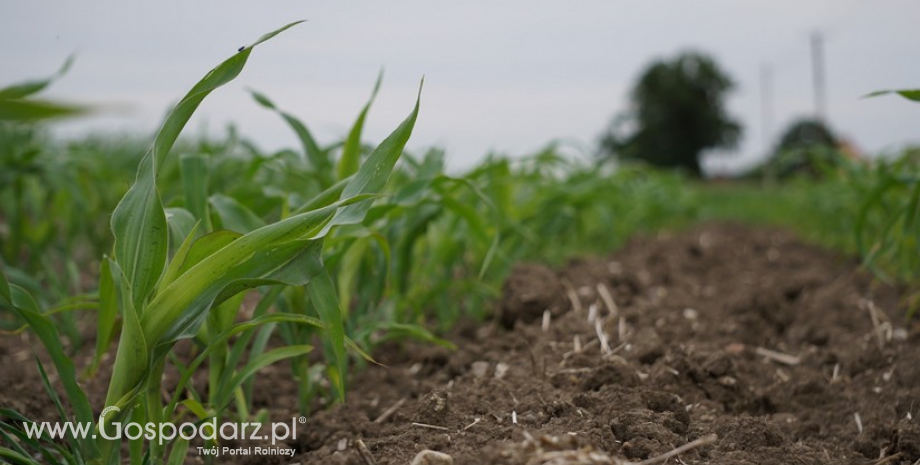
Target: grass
258, 257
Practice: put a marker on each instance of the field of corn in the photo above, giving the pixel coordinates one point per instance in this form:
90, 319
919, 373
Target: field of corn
173, 271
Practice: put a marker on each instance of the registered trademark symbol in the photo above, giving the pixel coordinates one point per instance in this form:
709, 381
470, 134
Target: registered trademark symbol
302, 420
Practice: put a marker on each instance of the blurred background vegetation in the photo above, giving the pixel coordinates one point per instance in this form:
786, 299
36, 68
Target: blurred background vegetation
442, 248
678, 112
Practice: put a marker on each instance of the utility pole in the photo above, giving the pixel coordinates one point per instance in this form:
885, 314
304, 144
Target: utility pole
766, 122
766, 106
817, 73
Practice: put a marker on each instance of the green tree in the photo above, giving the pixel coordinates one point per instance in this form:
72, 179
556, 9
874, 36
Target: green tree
805, 145
678, 111
806, 133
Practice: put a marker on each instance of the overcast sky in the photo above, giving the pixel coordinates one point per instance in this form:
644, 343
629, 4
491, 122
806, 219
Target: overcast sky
505, 76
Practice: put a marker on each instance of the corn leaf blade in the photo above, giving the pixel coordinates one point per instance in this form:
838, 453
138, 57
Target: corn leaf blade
139, 223
351, 151
372, 176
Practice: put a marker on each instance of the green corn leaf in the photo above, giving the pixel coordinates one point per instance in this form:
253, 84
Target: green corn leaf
222, 316
224, 337
349, 270
351, 151
5, 287
34, 110
181, 222
72, 442
178, 452
131, 358
194, 170
490, 255
260, 342
415, 229
470, 215
372, 176
15, 458
319, 158
136, 446
234, 215
138, 223
360, 351
21, 439
140, 229
395, 330
323, 297
26, 89
196, 408
262, 99
207, 284
49, 389
910, 94
177, 310
255, 364
413, 192
175, 266
108, 311
292, 273
25, 308
474, 220
65, 308
50, 450
324, 198
15, 107
205, 246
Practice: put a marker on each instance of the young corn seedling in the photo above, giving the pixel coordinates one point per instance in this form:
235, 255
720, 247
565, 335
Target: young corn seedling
163, 299
385, 252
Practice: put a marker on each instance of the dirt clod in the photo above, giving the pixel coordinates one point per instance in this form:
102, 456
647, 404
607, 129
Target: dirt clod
430, 457
435, 406
528, 292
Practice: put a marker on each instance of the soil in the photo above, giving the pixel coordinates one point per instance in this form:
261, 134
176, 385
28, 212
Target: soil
787, 353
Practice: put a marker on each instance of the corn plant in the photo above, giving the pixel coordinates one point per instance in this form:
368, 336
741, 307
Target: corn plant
161, 298
893, 238
371, 281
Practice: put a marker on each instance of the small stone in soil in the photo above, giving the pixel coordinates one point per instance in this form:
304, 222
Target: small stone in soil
434, 406
430, 457
479, 369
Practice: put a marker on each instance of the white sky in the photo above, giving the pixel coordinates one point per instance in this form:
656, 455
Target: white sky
504, 76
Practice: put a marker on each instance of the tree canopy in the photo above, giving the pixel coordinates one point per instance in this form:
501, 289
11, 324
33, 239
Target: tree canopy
805, 133
806, 144
678, 111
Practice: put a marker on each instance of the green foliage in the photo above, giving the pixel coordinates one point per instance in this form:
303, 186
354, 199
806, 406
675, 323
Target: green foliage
17, 103
806, 133
46, 194
679, 112
198, 290
868, 209
909, 94
806, 147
